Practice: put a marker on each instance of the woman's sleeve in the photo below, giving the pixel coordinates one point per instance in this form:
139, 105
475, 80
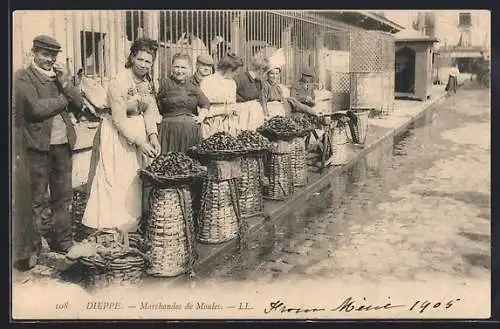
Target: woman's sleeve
264, 95
202, 100
118, 103
294, 92
285, 91
162, 95
152, 117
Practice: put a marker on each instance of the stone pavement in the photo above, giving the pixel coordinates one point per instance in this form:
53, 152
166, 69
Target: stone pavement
403, 115
418, 213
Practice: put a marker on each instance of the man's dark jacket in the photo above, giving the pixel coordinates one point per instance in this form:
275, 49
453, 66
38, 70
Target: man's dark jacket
41, 99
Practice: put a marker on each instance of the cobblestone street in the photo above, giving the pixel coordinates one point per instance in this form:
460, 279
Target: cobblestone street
418, 211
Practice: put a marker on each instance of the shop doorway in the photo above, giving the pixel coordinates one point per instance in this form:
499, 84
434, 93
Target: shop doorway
405, 71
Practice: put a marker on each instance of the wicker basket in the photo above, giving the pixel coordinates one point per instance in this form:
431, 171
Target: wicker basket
223, 169
250, 186
359, 128
339, 143
122, 271
280, 174
94, 275
170, 232
298, 162
220, 218
125, 269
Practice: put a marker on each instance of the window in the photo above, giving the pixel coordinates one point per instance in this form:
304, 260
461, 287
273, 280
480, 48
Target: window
464, 19
93, 60
135, 24
464, 39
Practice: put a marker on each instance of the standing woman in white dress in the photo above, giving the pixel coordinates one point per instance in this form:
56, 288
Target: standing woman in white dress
220, 89
126, 140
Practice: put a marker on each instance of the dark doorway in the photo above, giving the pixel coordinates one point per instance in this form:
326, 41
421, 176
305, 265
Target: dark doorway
405, 71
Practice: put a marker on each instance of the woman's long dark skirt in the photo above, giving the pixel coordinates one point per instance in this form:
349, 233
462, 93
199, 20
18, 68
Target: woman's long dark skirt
178, 134
452, 84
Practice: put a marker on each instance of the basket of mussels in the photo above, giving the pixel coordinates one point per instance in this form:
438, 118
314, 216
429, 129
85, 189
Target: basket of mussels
172, 168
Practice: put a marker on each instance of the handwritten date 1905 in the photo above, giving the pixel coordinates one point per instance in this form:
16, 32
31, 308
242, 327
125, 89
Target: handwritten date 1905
350, 304
421, 306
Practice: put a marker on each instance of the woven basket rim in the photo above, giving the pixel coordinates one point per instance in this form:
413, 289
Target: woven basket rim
251, 151
214, 153
163, 180
273, 135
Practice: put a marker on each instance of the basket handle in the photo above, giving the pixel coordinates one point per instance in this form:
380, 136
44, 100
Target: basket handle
126, 241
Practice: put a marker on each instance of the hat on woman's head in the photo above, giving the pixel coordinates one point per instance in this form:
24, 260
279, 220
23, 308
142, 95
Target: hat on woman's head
46, 42
277, 60
205, 59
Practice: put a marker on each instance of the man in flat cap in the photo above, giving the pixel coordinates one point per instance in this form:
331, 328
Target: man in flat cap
41, 96
204, 67
303, 90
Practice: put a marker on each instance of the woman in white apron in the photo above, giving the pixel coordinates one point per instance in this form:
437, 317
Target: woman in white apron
127, 139
220, 88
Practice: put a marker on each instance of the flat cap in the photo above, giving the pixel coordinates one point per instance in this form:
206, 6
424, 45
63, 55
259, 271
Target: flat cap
205, 59
46, 42
308, 71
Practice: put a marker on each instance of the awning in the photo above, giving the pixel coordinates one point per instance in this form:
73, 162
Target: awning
462, 54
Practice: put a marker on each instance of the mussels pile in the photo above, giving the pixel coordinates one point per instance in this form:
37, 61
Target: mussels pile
305, 121
280, 128
252, 140
175, 164
221, 141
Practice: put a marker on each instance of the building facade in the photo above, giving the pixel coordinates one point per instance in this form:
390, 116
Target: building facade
97, 41
464, 35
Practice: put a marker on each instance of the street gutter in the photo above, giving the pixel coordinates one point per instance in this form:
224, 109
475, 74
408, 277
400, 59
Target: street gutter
291, 205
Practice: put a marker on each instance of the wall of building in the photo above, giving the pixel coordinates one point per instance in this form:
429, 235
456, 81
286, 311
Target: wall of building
446, 25
98, 41
448, 31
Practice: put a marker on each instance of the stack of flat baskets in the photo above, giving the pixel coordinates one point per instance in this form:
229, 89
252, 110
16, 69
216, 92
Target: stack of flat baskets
125, 267
220, 218
170, 226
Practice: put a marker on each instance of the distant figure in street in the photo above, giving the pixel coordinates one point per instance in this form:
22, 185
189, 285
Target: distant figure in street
451, 86
204, 68
43, 140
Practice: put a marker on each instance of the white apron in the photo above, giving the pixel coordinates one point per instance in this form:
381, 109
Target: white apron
250, 115
115, 199
276, 109
219, 123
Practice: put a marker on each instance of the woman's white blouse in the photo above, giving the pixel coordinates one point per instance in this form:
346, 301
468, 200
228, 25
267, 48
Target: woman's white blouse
219, 89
